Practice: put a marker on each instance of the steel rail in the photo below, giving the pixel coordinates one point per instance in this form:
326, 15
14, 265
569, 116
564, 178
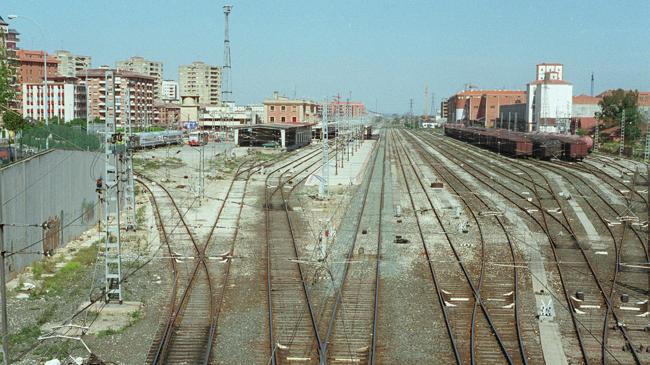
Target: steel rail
545, 228
432, 270
587, 261
163, 346
268, 196
617, 249
465, 271
511, 248
337, 302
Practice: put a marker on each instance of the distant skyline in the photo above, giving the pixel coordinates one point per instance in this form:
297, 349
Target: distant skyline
384, 51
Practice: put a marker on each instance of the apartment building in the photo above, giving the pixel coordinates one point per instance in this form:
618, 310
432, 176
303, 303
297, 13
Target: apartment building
146, 67
8, 47
66, 99
202, 80
167, 114
170, 91
30, 66
71, 65
346, 109
141, 96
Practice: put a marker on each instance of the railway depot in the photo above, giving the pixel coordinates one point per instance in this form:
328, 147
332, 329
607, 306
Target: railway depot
438, 248
324, 197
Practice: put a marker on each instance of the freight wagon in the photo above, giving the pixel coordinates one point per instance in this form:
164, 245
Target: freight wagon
539, 145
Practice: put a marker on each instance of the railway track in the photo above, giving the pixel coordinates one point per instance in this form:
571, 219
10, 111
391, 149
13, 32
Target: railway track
351, 332
293, 328
458, 285
614, 163
183, 276
628, 277
625, 341
499, 285
187, 334
591, 333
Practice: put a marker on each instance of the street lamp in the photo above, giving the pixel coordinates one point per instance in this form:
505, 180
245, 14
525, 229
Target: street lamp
46, 107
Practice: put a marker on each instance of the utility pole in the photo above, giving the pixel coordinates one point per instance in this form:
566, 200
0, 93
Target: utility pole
336, 136
597, 137
112, 244
129, 188
411, 111
325, 166
646, 154
3, 292
515, 121
621, 145
434, 108
426, 102
226, 93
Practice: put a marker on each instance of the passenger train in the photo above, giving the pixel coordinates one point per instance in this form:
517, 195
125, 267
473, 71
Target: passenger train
156, 139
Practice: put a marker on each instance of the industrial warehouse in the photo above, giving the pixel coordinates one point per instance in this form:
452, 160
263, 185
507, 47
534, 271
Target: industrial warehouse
359, 184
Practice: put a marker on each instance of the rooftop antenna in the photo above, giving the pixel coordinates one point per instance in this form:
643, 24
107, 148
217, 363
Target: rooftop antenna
226, 93
592, 83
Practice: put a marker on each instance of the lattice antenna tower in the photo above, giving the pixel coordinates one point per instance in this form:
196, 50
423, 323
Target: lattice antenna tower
226, 83
112, 153
129, 188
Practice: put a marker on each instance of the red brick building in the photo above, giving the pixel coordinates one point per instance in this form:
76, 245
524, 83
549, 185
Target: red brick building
481, 107
30, 66
167, 114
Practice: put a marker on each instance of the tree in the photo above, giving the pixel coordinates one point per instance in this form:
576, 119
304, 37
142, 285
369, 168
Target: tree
612, 107
7, 91
13, 121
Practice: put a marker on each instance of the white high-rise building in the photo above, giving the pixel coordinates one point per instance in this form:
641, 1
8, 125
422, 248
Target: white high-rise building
170, 90
71, 65
147, 68
550, 100
202, 80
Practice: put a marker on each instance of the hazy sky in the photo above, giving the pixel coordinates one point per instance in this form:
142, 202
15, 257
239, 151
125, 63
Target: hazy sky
381, 51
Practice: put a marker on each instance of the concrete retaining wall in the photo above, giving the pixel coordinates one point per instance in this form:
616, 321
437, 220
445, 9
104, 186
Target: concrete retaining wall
56, 186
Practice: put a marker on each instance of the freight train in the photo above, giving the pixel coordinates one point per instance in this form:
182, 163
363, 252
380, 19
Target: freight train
156, 139
517, 144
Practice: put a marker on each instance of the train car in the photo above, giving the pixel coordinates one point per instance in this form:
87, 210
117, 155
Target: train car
368, 132
518, 144
498, 140
574, 148
545, 148
198, 138
173, 137
150, 139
